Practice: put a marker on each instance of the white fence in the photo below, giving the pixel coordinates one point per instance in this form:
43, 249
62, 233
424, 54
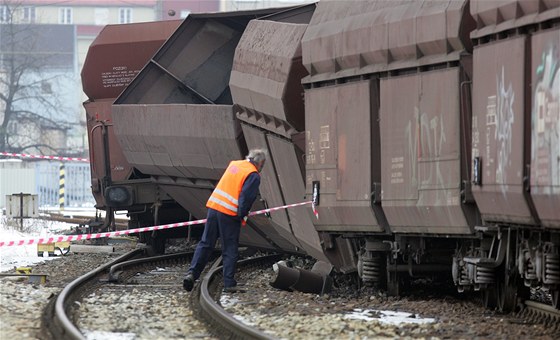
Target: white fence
43, 179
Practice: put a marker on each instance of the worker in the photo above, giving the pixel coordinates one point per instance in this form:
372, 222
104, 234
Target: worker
228, 207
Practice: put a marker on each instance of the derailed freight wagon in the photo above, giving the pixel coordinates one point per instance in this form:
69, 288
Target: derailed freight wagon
176, 122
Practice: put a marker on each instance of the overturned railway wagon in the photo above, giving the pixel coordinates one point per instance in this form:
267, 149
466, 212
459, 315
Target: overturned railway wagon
176, 122
429, 128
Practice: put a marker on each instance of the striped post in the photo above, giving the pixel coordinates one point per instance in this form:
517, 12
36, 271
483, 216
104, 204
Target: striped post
61, 187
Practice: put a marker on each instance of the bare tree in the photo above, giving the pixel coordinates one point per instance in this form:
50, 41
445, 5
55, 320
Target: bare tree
30, 108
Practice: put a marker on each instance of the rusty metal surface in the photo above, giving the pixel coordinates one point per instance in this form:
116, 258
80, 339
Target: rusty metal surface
341, 151
499, 123
118, 54
292, 184
259, 233
282, 183
120, 168
180, 74
182, 145
266, 88
179, 140
267, 72
347, 38
545, 127
270, 187
185, 148
498, 16
421, 150
114, 58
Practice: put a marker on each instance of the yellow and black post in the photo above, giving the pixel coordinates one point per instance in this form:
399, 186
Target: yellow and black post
61, 187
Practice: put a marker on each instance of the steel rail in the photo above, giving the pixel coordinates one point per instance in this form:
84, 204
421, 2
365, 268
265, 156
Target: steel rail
69, 330
542, 310
221, 319
541, 313
118, 268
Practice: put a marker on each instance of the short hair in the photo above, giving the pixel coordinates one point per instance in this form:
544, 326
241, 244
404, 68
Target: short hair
257, 155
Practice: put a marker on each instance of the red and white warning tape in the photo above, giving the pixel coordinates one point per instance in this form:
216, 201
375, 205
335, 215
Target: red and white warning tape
57, 158
63, 238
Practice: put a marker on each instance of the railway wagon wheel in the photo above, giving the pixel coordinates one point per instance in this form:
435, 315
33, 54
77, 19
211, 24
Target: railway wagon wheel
397, 282
509, 286
394, 284
506, 293
490, 297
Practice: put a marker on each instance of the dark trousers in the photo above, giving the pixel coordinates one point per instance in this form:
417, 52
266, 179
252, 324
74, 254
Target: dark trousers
227, 228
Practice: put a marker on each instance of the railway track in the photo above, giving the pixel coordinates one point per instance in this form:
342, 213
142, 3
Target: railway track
62, 314
538, 312
209, 291
73, 314
143, 296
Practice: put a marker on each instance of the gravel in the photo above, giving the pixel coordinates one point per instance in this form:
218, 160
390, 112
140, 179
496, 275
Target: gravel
155, 305
22, 303
345, 313
351, 313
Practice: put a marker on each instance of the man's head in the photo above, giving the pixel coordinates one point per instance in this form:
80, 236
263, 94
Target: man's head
257, 157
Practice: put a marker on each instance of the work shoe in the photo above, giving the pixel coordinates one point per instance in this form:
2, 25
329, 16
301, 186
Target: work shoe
234, 289
188, 282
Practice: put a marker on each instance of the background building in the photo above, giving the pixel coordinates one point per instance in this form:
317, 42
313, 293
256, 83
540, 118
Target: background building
52, 39
84, 19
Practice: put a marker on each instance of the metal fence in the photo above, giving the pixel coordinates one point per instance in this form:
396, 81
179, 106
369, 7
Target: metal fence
77, 184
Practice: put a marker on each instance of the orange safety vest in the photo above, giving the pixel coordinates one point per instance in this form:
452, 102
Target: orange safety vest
226, 195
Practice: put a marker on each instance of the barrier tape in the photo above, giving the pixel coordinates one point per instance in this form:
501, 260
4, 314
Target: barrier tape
69, 238
57, 158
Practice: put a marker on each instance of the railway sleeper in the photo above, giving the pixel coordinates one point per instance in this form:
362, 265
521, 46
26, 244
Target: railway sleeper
535, 312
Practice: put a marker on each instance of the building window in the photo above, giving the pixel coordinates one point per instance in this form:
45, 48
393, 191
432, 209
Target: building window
65, 15
125, 15
4, 13
29, 14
